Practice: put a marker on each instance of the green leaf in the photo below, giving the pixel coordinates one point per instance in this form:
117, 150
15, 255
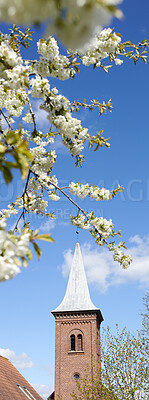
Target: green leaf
37, 250
18, 261
45, 237
11, 164
29, 254
22, 162
25, 263
6, 174
2, 148
11, 137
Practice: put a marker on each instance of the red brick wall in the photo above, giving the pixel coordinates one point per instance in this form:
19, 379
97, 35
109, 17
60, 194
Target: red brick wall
68, 362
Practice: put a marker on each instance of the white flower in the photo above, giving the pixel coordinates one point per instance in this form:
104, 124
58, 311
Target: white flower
77, 19
28, 118
2, 223
123, 259
102, 225
105, 43
80, 190
118, 61
11, 248
52, 63
40, 87
53, 196
54, 90
70, 128
80, 221
8, 269
54, 180
84, 190
23, 245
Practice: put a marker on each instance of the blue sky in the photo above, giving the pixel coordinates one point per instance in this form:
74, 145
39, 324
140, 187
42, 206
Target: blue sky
27, 326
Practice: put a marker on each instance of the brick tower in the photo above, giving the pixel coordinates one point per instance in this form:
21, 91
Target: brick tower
77, 332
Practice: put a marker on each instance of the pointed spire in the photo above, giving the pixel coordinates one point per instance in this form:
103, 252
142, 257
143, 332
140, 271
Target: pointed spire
77, 297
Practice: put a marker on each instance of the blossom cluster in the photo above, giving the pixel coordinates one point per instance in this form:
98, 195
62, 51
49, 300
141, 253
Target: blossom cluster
13, 78
43, 161
12, 69
80, 221
40, 87
92, 191
35, 203
123, 259
31, 202
13, 100
12, 250
46, 182
104, 44
19, 82
52, 63
74, 22
6, 213
101, 229
101, 226
70, 128
9, 58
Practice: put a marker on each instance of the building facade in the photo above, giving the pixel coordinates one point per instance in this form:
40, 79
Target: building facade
77, 333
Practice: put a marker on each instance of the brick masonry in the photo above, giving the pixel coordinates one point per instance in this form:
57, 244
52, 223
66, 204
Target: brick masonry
67, 362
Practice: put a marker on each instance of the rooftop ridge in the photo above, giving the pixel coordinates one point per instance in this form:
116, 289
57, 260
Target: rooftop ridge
5, 358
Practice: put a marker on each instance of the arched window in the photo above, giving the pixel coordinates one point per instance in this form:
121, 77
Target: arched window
72, 342
79, 343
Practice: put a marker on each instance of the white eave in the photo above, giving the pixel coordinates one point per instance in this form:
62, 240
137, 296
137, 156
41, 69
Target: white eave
77, 297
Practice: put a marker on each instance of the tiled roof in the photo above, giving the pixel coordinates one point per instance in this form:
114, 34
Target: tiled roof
12, 384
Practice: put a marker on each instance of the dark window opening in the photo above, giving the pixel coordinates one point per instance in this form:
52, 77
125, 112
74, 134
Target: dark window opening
72, 342
76, 376
80, 344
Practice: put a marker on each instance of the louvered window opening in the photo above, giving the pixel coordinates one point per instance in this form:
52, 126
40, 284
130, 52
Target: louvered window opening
72, 342
79, 343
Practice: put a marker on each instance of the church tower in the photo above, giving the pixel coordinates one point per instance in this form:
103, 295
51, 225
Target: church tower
77, 332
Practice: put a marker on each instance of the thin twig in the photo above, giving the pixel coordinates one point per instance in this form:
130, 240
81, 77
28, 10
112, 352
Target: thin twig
23, 197
6, 119
65, 194
16, 225
33, 116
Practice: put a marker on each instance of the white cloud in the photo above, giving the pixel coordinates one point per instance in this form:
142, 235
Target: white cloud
59, 147
21, 361
104, 272
48, 225
67, 262
41, 116
51, 224
43, 390
64, 223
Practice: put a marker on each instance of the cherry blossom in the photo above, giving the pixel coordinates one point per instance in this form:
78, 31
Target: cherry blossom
31, 151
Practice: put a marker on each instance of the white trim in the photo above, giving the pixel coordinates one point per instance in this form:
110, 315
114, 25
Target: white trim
29, 393
22, 390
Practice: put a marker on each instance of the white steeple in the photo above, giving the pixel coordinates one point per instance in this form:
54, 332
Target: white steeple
77, 297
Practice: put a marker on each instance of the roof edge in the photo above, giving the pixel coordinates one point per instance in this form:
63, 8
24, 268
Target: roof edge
5, 358
54, 312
